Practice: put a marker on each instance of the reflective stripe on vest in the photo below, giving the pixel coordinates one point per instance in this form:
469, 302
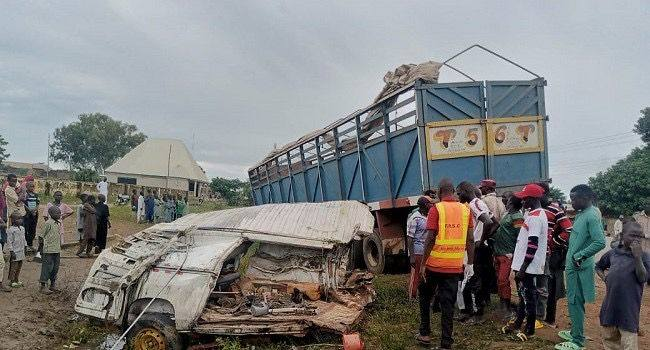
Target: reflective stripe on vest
449, 250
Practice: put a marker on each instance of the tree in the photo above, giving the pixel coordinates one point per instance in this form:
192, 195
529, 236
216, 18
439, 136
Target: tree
85, 175
624, 187
642, 126
3, 151
234, 191
557, 194
95, 141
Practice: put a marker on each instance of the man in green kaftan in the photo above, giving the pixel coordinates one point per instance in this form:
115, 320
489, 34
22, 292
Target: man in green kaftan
587, 239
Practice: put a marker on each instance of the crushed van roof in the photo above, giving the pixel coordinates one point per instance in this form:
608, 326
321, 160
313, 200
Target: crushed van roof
320, 225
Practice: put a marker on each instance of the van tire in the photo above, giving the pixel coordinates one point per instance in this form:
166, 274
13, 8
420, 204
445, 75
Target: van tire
157, 327
373, 253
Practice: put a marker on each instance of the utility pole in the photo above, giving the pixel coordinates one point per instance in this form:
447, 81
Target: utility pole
47, 171
169, 157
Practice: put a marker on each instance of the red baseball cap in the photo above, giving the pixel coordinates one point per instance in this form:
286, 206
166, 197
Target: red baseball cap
487, 183
530, 190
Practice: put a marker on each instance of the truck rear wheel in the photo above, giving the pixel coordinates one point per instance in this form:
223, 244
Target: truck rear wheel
373, 253
154, 332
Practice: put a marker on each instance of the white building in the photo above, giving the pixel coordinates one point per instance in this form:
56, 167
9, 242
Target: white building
159, 163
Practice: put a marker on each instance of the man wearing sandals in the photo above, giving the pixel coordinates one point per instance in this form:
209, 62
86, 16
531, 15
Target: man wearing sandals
449, 236
587, 238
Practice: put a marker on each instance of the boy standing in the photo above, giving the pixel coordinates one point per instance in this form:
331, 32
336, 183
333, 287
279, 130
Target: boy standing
31, 216
13, 201
505, 240
49, 241
89, 228
529, 259
16, 244
587, 238
627, 267
80, 216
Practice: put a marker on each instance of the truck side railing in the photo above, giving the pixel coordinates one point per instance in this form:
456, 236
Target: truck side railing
381, 154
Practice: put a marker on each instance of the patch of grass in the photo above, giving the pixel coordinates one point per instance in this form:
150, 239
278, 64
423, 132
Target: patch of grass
83, 332
393, 320
122, 212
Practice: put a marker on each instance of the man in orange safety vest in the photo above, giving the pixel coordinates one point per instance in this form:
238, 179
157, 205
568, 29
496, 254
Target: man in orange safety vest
449, 237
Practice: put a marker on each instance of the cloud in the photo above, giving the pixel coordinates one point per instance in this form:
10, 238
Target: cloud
225, 170
235, 78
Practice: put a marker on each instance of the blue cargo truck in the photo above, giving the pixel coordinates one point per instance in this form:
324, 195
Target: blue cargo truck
388, 153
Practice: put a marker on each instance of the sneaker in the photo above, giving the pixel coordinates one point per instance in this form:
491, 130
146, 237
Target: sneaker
4, 288
568, 345
45, 290
37, 257
565, 335
15, 285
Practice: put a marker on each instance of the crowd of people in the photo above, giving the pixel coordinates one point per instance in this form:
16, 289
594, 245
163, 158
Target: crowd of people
19, 217
468, 243
153, 209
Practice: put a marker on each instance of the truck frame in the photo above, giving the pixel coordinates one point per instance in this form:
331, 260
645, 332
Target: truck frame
388, 153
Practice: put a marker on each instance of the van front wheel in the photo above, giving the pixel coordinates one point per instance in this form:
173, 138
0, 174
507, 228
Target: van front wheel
154, 332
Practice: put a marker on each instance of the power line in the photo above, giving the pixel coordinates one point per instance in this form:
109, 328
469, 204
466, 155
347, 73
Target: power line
602, 145
595, 139
587, 162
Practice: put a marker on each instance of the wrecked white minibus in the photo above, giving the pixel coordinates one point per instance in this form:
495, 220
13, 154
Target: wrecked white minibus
270, 269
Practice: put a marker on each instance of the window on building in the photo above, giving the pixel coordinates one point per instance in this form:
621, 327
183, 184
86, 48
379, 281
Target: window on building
127, 180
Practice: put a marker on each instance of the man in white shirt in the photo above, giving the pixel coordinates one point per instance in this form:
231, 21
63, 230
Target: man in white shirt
618, 228
489, 196
102, 187
529, 259
477, 288
643, 218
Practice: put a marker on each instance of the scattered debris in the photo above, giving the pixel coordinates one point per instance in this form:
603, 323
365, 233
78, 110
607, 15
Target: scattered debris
110, 341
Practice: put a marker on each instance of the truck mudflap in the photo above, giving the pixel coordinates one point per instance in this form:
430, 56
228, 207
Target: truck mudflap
267, 307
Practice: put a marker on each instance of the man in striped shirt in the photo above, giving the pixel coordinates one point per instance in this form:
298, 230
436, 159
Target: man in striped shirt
551, 284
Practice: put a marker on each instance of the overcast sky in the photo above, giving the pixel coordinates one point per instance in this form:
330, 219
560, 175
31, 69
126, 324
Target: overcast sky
232, 79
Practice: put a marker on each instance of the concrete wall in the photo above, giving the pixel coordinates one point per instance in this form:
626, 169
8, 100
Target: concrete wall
73, 188
152, 181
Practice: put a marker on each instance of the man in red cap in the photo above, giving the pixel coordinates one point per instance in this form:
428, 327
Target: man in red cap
529, 259
488, 189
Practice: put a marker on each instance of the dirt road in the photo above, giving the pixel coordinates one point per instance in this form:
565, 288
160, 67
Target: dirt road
30, 320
